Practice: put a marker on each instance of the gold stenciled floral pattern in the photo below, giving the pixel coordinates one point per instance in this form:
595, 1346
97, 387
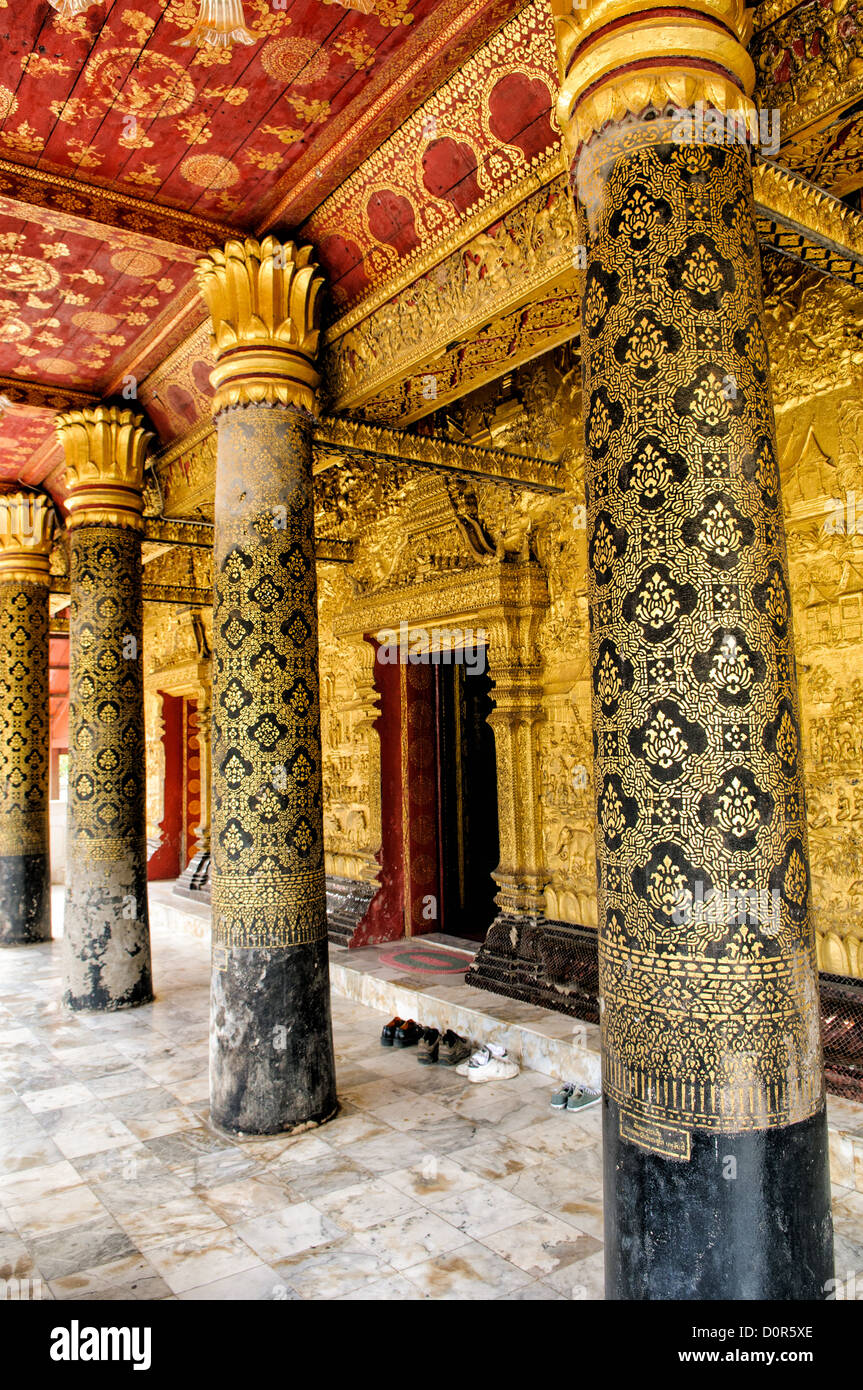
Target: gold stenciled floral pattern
23, 717
106, 727
267, 834
695, 704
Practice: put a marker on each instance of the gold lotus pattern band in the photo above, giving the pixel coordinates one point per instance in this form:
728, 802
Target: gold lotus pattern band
707, 964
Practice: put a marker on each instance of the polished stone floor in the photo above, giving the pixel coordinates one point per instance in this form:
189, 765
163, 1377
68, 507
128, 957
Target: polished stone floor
112, 1185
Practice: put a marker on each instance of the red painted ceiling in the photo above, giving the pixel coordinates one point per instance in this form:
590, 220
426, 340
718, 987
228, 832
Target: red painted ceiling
256, 136
113, 97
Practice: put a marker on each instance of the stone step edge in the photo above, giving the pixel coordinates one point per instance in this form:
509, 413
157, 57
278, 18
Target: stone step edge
557, 1058
553, 1057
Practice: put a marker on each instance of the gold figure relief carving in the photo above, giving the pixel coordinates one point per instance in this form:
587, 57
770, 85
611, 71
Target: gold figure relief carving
351, 745
495, 269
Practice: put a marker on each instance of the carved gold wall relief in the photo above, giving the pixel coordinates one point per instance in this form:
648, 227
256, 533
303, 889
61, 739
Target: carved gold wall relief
495, 272
820, 456
351, 746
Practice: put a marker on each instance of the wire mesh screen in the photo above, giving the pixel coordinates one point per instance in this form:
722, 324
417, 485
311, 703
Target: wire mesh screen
842, 1032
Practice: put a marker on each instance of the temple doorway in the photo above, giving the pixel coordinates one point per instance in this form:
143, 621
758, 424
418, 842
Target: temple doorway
450, 830
468, 843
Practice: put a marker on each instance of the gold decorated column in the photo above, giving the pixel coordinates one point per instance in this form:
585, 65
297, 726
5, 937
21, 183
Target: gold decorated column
106, 936
26, 533
714, 1121
271, 1051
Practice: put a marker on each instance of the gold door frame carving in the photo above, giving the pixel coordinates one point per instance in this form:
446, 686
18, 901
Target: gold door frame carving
508, 601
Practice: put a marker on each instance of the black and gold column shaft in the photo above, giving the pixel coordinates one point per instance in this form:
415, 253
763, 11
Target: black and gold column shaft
106, 928
714, 1122
271, 1053
26, 532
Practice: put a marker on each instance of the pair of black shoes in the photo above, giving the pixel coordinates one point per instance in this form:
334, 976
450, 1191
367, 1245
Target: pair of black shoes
400, 1032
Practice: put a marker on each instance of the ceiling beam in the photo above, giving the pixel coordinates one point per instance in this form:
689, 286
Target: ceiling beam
84, 207
336, 441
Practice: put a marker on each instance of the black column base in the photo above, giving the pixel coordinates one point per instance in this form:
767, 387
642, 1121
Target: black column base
194, 881
272, 1068
550, 964
347, 904
747, 1217
25, 899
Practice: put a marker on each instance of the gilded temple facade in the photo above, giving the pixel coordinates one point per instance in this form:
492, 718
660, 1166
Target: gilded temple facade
448, 502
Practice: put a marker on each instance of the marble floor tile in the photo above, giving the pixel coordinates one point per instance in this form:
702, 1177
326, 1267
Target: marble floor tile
259, 1284
195, 1090
52, 1213
299, 1150
211, 1170
848, 1255
16, 1258
31, 1184
169, 1221
310, 1181
331, 1271
581, 1282
347, 1130
376, 1095
410, 1239
387, 1152
482, 1210
245, 1198
415, 1112
293, 1229
435, 1178
81, 1130
470, 1272
556, 1136
366, 1204
58, 1097
494, 1159
560, 1190
127, 1081
201, 1258
541, 1245
847, 1213
130, 1278
74, 1248
393, 1288
534, 1292
446, 1136
138, 1187
28, 1151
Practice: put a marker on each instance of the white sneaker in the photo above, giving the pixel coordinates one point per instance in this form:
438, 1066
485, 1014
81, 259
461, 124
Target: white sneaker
495, 1069
477, 1058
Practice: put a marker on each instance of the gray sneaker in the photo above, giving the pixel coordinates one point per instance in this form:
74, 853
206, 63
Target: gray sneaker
560, 1098
582, 1097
